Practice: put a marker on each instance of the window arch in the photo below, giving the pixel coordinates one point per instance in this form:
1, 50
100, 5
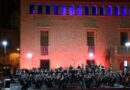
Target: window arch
94, 10
116, 10
102, 11
48, 11
71, 10
109, 10
56, 9
39, 8
63, 9
79, 10
31, 9
86, 10
124, 10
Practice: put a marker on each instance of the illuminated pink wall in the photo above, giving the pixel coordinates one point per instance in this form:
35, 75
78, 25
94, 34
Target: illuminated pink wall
67, 38
67, 42
66, 45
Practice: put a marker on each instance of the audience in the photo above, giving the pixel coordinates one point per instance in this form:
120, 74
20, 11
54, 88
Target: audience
92, 76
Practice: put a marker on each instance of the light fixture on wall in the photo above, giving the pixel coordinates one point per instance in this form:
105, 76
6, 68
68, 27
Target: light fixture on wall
91, 55
29, 56
127, 44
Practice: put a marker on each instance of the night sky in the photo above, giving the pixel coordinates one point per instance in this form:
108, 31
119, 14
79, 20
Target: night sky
7, 8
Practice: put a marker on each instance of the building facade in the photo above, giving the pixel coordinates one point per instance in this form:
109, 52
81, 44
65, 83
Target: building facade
67, 33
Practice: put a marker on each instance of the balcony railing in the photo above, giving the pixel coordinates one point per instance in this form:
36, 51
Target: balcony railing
122, 50
44, 50
91, 49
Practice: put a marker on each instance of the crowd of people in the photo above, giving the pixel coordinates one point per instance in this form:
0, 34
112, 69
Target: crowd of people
92, 76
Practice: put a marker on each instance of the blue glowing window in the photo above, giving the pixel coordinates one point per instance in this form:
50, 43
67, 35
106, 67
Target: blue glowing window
39, 8
102, 10
94, 10
79, 10
71, 10
124, 10
56, 9
86, 10
109, 10
63, 9
48, 9
117, 11
31, 9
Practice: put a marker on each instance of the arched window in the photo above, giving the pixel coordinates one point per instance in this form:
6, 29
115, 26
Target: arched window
39, 8
102, 11
124, 10
86, 11
79, 10
48, 11
63, 9
94, 10
109, 10
117, 10
56, 9
31, 9
71, 10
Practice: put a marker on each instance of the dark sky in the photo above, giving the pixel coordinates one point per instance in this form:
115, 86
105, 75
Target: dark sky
7, 8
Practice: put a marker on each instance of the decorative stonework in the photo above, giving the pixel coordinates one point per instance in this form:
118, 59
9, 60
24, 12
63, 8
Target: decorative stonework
90, 22
125, 23
42, 21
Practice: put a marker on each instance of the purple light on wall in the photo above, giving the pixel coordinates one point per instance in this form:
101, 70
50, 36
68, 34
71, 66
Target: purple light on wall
56, 9
109, 10
48, 11
79, 10
117, 10
124, 10
94, 10
63, 9
31, 9
86, 11
39, 5
102, 11
71, 10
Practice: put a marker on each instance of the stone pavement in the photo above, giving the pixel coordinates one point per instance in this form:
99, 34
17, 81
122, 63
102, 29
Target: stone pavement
17, 86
